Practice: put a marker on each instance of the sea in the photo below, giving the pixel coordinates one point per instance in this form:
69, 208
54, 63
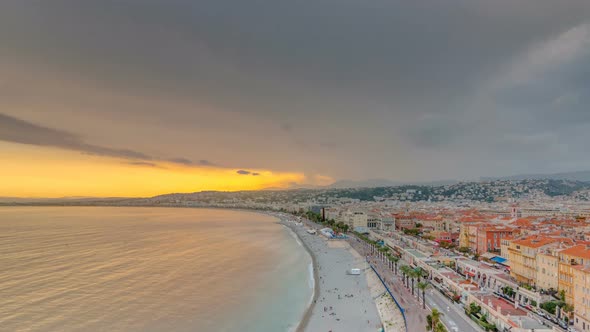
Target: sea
149, 269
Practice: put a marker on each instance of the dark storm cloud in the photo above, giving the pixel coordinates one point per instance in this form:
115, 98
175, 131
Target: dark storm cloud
555, 89
245, 172
19, 131
182, 161
143, 163
343, 87
204, 162
217, 49
15, 130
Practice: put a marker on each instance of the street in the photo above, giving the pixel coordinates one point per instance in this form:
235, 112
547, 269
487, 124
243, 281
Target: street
454, 318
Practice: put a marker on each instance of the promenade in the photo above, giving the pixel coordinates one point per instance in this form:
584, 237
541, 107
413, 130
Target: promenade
415, 315
453, 316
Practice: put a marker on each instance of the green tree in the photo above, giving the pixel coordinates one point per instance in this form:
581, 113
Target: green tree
405, 270
395, 260
422, 286
464, 249
568, 309
419, 273
508, 291
473, 309
413, 274
433, 322
551, 306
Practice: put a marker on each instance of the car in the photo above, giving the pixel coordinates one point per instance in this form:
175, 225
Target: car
562, 324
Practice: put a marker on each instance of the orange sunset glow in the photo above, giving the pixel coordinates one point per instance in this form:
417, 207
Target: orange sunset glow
29, 171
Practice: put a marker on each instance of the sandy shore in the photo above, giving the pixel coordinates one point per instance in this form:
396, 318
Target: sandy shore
341, 303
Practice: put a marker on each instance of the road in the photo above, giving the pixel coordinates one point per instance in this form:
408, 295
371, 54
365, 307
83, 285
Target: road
454, 318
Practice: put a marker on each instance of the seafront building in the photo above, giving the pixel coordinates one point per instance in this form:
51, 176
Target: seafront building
523, 256
569, 260
548, 269
581, 293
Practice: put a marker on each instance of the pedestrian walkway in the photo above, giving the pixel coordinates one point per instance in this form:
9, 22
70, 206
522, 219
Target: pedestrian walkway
415, 315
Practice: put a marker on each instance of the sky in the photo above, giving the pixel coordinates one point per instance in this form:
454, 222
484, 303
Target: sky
138, 98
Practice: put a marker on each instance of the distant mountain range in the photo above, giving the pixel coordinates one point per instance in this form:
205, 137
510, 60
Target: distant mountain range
583, 176
374, 183
370, 183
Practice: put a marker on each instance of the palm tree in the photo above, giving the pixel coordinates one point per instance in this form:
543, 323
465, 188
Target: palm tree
440, 327
433, 321
395, 259
413, 275
422, 286
419, 273
405, 270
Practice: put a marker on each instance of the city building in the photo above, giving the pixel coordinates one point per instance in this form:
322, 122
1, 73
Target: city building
522, 255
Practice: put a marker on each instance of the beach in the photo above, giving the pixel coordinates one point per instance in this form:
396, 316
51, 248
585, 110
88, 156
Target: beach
341, 302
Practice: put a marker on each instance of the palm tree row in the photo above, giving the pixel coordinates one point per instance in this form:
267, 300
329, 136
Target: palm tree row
374, 246
408, 273
412, 275
394, 260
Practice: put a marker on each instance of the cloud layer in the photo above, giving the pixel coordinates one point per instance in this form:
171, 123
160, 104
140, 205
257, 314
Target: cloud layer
15, 130
351, 89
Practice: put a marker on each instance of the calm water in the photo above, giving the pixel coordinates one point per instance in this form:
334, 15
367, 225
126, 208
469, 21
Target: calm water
148, 269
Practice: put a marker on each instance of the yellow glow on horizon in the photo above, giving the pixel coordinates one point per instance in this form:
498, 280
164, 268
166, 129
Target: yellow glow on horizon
29, 171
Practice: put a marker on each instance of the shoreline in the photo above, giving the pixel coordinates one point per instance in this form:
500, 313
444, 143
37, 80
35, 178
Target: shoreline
316, 282
343, 302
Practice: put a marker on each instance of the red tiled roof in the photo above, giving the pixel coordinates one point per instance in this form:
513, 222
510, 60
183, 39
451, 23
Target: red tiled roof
536, 241
581, 251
